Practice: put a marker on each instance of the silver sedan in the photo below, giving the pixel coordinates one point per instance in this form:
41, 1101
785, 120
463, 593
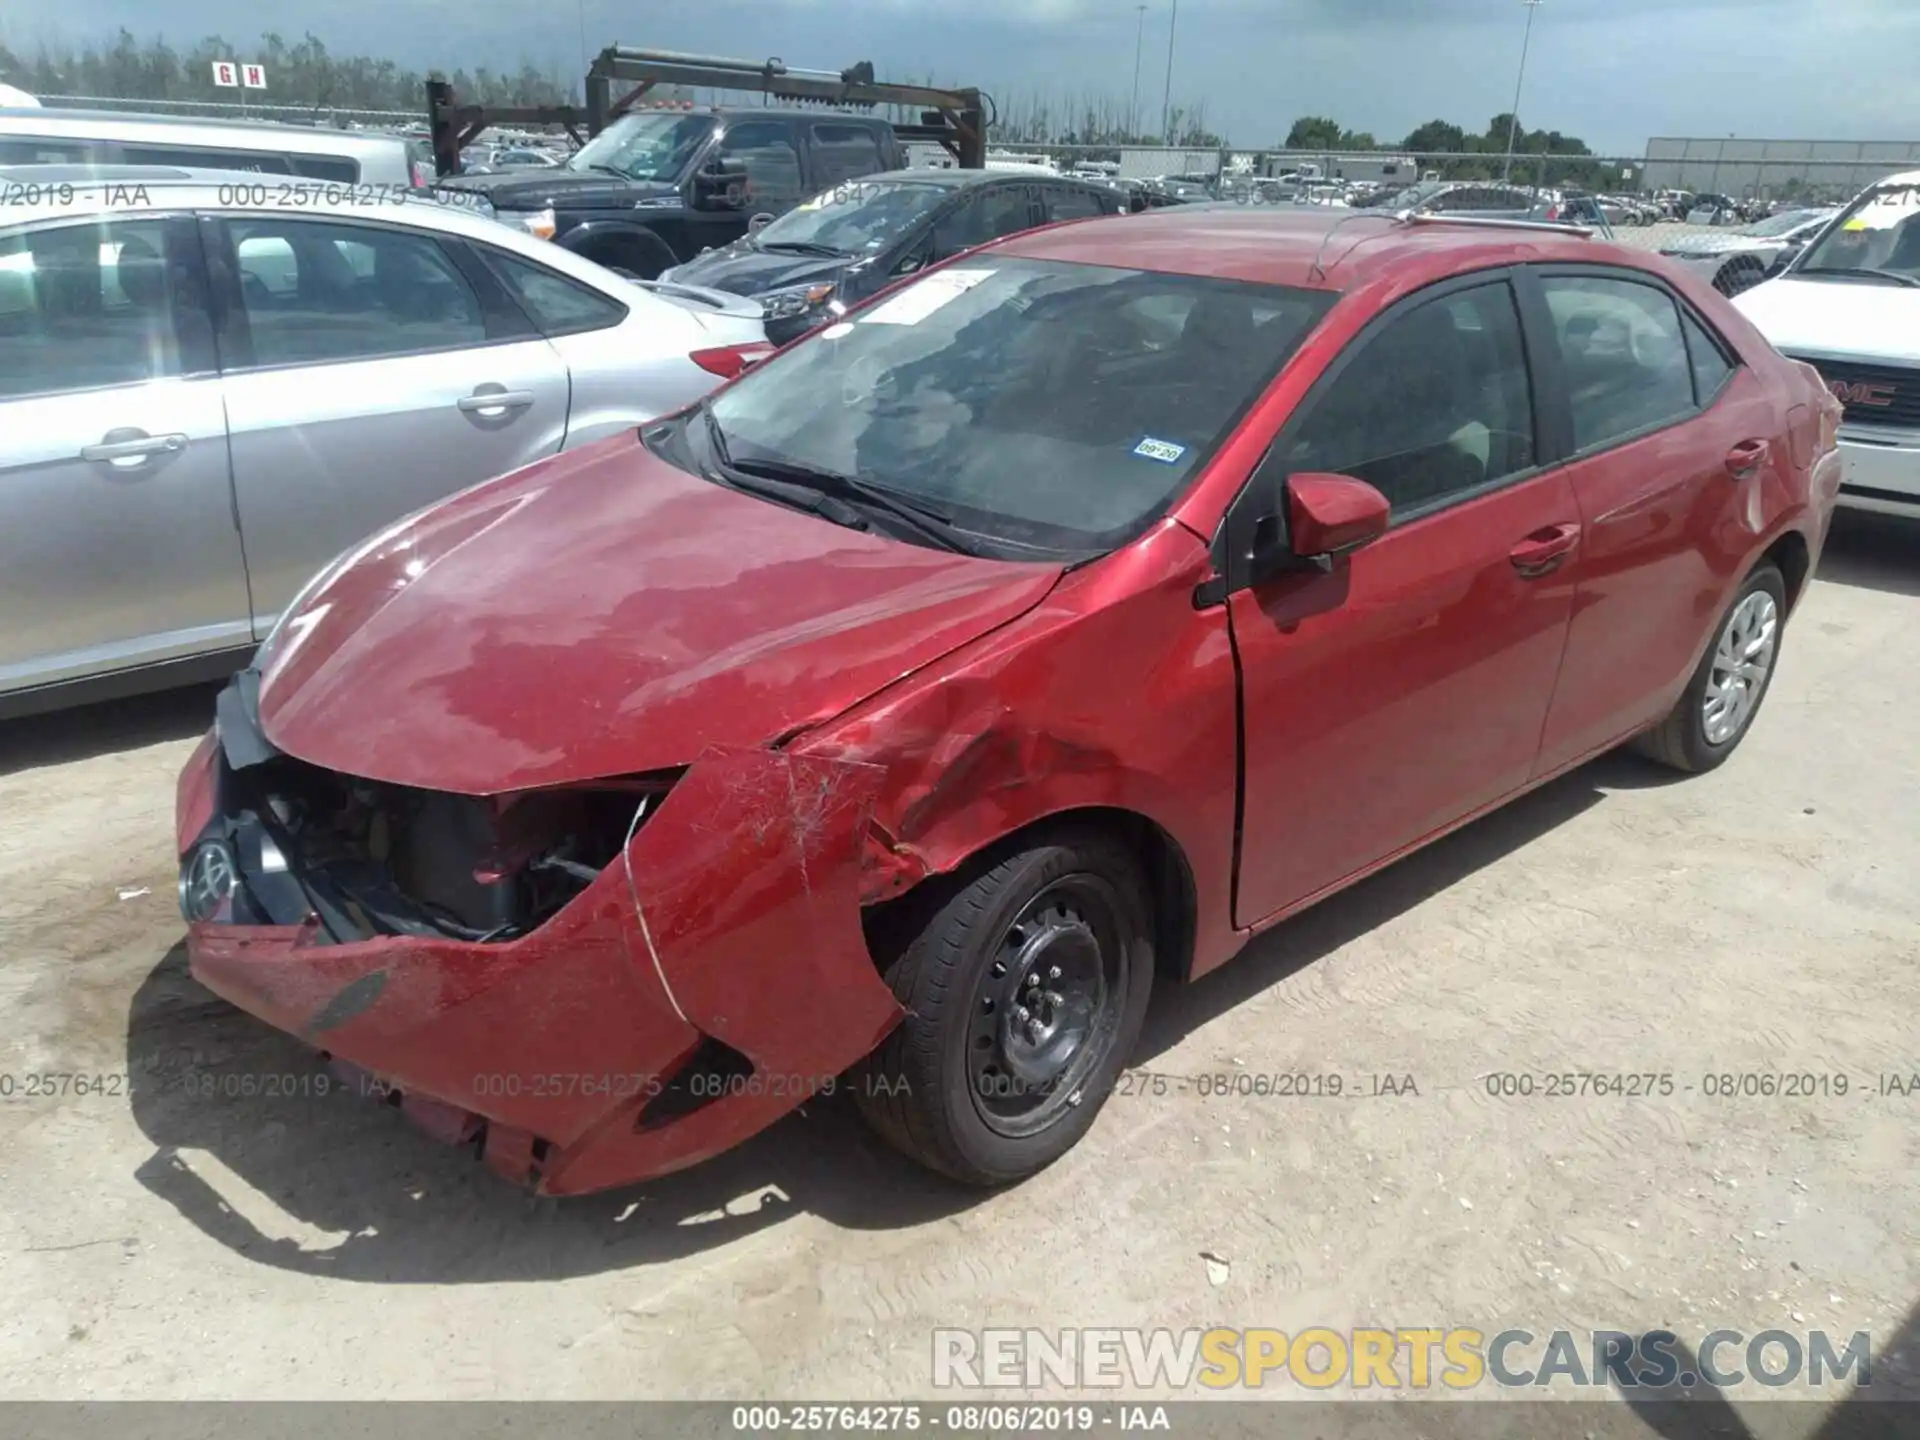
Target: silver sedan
212, 384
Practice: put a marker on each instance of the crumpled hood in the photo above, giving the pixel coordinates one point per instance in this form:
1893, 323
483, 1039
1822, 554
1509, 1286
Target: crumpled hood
605, 613
1838, 319
742, 270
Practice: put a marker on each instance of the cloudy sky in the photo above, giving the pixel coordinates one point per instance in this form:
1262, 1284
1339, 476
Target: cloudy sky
1611, 71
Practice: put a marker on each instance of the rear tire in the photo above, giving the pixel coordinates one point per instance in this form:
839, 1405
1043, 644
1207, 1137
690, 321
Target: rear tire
1715, 711
1025, 992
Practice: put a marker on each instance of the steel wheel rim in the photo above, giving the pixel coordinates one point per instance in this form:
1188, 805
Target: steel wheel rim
1048, 1006
1742, 659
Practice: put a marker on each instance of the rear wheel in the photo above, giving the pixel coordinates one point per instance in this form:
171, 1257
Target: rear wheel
1024, 992
1718, 706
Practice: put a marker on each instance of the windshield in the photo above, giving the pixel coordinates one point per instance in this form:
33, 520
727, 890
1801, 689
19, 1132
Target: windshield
645, 147
1879, 231
1044, 406
855, 217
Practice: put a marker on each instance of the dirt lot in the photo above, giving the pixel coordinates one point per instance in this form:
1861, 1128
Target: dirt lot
159, 1242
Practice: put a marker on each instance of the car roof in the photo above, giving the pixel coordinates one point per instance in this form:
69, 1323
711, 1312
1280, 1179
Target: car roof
1313, 247
958, 179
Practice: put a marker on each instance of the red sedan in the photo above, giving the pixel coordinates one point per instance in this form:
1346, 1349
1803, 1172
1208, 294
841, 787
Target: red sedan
896, 719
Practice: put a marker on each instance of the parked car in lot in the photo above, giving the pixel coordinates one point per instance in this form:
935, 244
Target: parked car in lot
846, 243
47, 136
1849, 305
1486, 199
209, 385
1033, 636
1740, 258
655, 188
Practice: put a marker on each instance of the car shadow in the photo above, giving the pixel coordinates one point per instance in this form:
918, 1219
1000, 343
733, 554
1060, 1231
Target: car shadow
248, 1151
1886, 1405
106, 727
1872, 552
1341, 919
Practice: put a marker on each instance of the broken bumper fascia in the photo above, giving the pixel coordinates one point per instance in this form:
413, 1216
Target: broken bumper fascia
735, 915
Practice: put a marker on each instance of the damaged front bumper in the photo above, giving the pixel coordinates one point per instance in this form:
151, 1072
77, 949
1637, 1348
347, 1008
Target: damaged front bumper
699, 986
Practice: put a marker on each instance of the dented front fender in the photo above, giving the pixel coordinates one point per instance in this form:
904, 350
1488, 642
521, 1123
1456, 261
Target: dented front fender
733, 914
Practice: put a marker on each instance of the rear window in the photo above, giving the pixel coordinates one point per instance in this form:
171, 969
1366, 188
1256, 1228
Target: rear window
1047, 406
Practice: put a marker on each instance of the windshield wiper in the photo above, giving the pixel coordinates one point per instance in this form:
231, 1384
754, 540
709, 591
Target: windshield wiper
604, 169
803, 247
1859, 272
924, 520
798, 497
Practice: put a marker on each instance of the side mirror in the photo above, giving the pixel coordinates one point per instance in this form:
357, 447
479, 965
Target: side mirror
1331, 516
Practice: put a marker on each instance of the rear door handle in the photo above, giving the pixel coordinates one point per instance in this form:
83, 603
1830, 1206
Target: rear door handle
1542, 552
484, 401
132, 447
1747, 457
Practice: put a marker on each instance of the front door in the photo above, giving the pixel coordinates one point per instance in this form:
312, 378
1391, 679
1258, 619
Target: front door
1392, 697
368, 379
117, 538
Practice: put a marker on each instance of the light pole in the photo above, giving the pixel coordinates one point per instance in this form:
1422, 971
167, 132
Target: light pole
1139, 41
1166, 98
1513, 120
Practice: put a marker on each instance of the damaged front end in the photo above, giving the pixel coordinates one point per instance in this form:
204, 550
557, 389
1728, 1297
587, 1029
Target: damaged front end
594, 983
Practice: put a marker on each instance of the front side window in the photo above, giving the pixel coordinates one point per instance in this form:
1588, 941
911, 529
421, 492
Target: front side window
1435, 406
84, 306
1877, 239
988, 214
315, 291
1626, 363
773, 165
655, 147
1069, 202
843, 152
1043, 405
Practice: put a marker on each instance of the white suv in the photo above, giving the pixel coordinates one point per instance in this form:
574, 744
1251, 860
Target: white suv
1850, 307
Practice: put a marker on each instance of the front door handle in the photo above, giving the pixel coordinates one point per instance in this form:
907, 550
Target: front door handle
1543, 552
127, 447
1747, 457
495, 400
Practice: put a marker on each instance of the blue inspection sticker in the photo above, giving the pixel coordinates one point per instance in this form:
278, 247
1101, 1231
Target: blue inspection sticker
1165, 451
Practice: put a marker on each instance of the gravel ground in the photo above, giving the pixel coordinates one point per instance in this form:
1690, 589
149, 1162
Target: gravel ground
162, 1243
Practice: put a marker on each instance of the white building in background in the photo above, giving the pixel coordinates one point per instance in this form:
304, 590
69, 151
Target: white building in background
1729, 165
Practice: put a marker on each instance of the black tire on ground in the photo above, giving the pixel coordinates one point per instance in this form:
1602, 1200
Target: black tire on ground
1072, 897
1681, 740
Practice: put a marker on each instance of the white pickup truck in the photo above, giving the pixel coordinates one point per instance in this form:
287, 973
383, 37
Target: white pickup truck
1850, 307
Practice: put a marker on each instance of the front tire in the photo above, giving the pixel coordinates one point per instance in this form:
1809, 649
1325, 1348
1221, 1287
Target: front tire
1720, 702
1025, 993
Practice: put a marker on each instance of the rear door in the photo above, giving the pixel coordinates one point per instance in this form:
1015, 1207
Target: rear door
117, 538
1394, 696
1674, 449
368, 373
